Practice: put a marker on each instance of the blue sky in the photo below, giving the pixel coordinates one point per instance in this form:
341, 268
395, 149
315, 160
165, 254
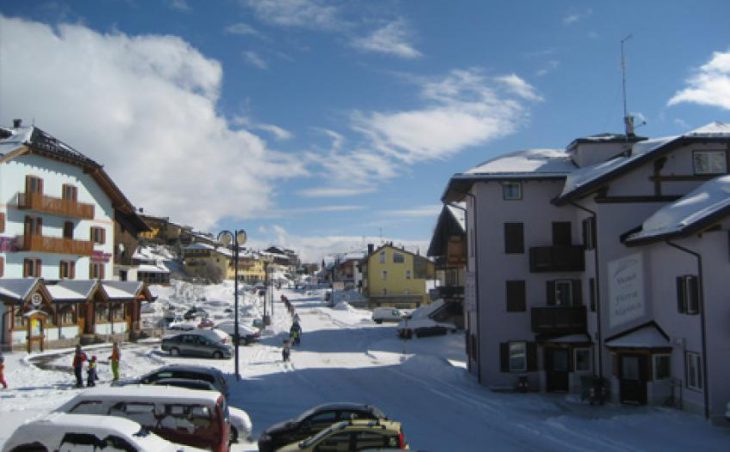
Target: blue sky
326, 125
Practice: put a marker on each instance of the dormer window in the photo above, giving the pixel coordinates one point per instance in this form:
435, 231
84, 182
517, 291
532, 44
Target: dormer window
511, 191
709, 162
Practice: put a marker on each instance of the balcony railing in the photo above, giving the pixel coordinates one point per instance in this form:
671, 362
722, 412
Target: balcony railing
395, 300
558, 320
55, 206
56, 245
447, 292
556, 259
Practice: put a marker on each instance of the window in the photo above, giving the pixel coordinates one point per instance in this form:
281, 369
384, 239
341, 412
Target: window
96, 271
382, 257
589, 233
67, 270
33, 184
33, 226
385, 292
101, 312
592, 293
69, 192
582, 359
562, 233
709, 162
18, 319
369, 440
514, 238
517, 356
68, 230
32, 268
66, 315
511, 191
384, 275
688, 294
118, 312
564, 292
89, 407
98, 235
694, 371
398, 258
408, 274
662, 367
515, 296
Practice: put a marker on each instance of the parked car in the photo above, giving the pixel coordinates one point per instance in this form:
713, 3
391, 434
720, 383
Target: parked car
381, 315
195, 312
206, 323
61, 431
188, 372
186, 416
180, 326
353, 435
248, 334
313, 421
423, 328
240, 420
194, 344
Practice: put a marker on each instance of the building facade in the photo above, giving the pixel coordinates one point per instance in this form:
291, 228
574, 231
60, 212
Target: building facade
395, 277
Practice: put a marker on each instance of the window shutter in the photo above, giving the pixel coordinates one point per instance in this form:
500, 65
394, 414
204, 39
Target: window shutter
25, 268
60, 270
531, 356
504, 356
2, 266
550, 293
38, 267
2, 222
39, 226
103, 235
91, 271
102, 267
40, 185
681, 306
27, 183
693, 304
577, 292
72, 269
592, 293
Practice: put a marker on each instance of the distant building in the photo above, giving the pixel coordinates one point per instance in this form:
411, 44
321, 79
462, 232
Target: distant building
395, 277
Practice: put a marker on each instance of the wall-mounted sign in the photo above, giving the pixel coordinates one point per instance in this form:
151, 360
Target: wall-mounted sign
36, 299
625, 290
100, 257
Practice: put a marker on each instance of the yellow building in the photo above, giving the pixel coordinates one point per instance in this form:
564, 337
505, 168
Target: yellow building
251, 268
395, 277
206, 261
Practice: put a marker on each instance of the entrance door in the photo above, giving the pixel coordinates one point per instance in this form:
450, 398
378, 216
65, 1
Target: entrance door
632, 384
557, 369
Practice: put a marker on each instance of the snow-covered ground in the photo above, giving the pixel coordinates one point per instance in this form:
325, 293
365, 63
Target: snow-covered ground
344, 356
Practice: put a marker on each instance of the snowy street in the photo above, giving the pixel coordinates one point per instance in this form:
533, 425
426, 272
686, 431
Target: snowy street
344, 356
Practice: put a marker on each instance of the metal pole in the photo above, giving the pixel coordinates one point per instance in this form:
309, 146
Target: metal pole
235, 291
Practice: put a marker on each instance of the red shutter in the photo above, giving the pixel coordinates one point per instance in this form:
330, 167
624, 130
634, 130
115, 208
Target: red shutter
91, 271
27, 184
2, 222
101, 271
103, 235
39, 226
72, 269
60, 270
25, 268
2, 266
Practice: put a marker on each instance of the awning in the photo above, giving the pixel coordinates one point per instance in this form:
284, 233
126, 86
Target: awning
646, 336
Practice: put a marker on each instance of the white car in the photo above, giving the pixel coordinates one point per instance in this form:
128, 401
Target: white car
381, 315
61, 431
248, 333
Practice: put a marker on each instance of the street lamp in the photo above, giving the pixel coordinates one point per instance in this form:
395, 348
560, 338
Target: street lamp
237, 238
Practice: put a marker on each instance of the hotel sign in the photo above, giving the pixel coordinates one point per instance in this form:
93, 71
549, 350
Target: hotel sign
625, 290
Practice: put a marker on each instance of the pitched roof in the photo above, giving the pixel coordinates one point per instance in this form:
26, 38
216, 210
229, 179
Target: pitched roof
649, 335
587, 179
451, 221
700, 208
17, 289
526, 164
36, 141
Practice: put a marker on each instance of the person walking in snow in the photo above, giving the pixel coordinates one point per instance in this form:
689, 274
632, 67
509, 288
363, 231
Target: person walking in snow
2, 372
78, 365
295, 332
91, 371
116, 356
285, 351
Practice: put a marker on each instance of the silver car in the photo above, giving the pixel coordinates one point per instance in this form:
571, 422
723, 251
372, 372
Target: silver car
196, 345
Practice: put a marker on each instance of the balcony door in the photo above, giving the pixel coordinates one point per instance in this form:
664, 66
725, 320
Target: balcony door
557, 369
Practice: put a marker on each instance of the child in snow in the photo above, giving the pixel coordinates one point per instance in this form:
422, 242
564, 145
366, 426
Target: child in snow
116, 355
285, 351
2, 372
91, 380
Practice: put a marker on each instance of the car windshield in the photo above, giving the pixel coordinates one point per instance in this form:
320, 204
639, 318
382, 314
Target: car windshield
314, 439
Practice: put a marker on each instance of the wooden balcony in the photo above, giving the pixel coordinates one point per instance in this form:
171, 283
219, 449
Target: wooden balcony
56, 245
556, 259
558, 320
55, 206
447, 292
395, 300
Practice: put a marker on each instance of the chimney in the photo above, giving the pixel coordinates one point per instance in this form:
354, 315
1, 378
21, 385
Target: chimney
17, 123
371, 248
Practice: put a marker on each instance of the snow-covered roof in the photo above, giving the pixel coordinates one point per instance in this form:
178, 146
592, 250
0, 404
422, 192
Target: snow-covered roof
706, 202
17, 138
458, 214
526, 163
646, 337
207, 246
17, 289
145, 392
121, 290
72, 290
149, 268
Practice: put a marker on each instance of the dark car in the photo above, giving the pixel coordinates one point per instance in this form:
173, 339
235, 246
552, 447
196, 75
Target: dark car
195, 312
313, 421
187, 372
194, 344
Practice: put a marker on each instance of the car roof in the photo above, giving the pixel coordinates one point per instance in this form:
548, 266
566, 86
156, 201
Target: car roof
188, 368
182, 382
86, 422
351, 406
140, 393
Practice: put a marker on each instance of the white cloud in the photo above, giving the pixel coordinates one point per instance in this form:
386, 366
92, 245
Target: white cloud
146, 108
334, 192
180, 5
710, 85
254, 59
549, 67
577, 16
279, 133
242, 29
392, 39
312, 14
463, 109
430, 211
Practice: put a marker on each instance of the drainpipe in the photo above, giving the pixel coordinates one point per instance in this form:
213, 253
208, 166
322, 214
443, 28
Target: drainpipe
476, 284
597, 285
701, 295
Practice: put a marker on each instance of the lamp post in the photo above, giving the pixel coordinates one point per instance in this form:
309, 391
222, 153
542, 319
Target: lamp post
237, 238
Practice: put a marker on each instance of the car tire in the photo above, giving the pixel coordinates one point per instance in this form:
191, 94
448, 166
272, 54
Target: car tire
217, 355
174, 351
378, 322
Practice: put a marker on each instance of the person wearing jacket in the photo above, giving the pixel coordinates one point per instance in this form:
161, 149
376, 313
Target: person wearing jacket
2, 372
78, 365
116, 356
91, 371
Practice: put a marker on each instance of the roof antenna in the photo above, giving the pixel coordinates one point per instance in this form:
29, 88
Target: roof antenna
628, 119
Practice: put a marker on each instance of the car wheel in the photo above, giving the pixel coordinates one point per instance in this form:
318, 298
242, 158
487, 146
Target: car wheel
378, 322
174, 351
217, 355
